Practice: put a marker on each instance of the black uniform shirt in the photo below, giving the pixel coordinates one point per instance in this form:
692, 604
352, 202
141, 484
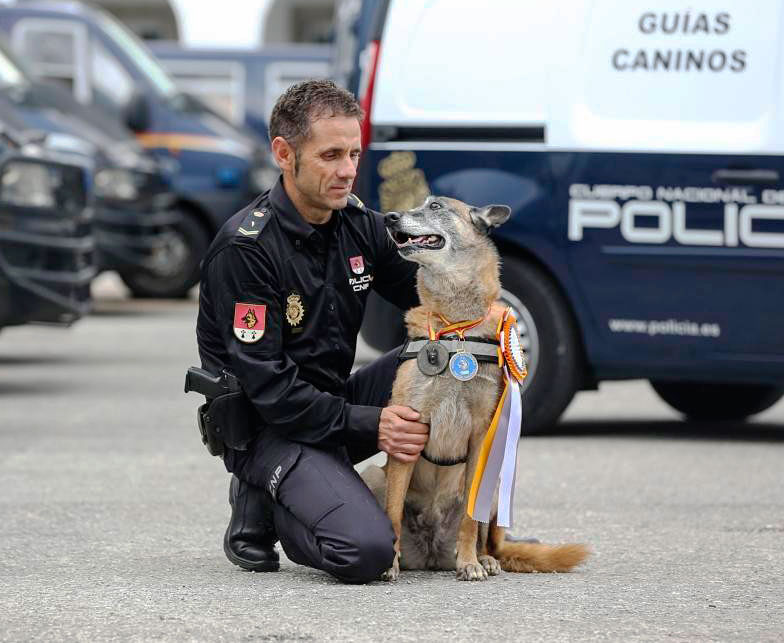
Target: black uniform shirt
269, 270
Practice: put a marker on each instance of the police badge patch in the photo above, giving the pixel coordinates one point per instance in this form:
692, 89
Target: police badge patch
295, 311
249, 322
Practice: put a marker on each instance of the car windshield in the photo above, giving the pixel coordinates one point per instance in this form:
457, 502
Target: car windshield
10, 73
137, 52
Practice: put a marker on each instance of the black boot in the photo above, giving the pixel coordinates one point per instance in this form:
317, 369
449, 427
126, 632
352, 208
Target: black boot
250, 537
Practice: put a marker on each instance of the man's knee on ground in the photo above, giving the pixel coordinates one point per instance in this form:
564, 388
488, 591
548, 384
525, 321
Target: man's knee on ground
362, 560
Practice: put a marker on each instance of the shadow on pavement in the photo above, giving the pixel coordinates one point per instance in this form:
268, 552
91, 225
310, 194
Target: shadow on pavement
33, 359
669, 430
140, 307
42, 387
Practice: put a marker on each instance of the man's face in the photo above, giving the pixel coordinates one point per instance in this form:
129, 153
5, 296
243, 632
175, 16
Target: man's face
327, 162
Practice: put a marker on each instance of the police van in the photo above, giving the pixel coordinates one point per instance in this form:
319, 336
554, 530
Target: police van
640, 147
218, 167
131, 215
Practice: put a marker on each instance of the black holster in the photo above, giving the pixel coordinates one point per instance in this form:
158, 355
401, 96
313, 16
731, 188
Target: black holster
227, 419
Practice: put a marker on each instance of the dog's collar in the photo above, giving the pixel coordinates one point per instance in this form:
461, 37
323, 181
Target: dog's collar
485, 350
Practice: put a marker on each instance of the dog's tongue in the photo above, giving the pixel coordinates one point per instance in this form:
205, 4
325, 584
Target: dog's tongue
421, 239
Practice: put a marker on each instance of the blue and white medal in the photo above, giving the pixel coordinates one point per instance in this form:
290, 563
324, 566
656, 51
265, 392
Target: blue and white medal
463, 366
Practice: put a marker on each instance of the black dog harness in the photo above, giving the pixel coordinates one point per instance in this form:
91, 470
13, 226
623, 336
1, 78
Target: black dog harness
484, 350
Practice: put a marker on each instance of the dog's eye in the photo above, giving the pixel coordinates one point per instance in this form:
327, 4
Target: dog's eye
435, 205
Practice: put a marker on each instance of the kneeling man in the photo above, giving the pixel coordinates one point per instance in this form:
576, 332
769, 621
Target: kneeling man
283, 291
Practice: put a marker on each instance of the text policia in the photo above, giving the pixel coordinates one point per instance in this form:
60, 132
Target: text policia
642, 218
681, 24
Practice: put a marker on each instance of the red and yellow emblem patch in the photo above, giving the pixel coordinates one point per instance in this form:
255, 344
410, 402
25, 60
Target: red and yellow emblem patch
249, 321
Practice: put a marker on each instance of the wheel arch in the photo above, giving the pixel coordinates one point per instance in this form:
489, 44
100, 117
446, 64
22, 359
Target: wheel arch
199, 213
520, 253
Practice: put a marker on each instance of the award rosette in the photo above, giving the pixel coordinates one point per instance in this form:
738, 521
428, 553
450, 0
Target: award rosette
498, 454
511, 349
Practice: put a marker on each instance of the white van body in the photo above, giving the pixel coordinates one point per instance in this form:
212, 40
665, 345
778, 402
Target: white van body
601, 74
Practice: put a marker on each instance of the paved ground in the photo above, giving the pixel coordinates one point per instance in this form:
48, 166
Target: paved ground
112, 514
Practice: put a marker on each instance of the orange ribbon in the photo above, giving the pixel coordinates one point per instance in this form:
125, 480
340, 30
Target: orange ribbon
457, 328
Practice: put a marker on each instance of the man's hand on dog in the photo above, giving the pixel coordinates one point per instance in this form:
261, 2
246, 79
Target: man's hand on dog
400, 434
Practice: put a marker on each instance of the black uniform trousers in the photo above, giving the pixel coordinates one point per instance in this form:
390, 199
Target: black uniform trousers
325, 516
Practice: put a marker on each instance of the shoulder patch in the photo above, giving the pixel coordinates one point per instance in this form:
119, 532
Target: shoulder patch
355, 201
249, 322
254, 223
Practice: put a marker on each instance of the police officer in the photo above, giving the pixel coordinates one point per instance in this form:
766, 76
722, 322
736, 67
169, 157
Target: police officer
283, 290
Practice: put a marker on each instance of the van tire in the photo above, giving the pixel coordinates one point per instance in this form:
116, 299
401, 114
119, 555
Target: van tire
559, 371
193, 240
717, 402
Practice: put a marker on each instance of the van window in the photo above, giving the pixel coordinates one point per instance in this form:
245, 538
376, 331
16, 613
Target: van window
218, 83
112, 85
138, 54
54, 50
279, 76
10, 74
52, 53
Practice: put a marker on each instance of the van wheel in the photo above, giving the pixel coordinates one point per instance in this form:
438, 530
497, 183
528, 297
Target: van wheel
704, 401
550, 340
176, 267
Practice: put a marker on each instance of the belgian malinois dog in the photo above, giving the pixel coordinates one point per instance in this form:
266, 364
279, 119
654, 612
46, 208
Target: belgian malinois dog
426, 501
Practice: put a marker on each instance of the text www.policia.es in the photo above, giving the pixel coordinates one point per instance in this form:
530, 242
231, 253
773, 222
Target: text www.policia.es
653, 327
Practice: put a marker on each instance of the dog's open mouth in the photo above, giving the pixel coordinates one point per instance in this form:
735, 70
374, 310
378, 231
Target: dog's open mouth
426, 241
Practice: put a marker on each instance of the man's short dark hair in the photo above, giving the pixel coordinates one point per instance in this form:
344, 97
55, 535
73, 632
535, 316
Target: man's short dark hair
301, 104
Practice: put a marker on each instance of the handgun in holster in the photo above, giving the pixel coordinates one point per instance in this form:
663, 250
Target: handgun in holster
227, 419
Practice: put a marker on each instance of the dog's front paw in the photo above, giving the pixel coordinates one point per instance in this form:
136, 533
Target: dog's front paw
490, 565
393, 573
471, 571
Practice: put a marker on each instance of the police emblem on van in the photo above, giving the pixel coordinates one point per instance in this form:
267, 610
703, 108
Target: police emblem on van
249, 322
357, 264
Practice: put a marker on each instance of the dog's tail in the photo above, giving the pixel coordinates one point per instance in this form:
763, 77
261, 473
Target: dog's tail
534, 557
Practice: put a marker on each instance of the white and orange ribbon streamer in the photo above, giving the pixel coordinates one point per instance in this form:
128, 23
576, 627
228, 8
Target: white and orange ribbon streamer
498, 454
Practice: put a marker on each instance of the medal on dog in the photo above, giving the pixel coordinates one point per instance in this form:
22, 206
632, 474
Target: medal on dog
432, 358
463, 366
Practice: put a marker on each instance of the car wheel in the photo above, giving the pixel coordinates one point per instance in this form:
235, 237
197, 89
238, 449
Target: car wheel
175, 267
717, 402
549, 337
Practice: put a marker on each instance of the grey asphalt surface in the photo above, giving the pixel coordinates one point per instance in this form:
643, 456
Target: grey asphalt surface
112, 514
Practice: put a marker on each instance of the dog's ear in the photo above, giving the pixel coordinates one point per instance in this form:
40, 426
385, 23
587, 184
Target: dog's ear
489, 217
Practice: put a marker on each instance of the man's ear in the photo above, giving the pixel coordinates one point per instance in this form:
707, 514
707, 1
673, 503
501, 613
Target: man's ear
284, 154
489, 217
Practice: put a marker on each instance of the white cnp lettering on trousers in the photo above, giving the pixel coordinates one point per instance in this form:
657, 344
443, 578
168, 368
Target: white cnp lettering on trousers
670, 223
272, 486
360, 283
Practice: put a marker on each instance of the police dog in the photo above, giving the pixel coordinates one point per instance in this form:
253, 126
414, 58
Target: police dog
458, 278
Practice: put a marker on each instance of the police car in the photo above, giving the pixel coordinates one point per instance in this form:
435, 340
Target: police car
639, 146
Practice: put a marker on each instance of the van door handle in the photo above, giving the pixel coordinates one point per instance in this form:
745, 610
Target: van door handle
745, 177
